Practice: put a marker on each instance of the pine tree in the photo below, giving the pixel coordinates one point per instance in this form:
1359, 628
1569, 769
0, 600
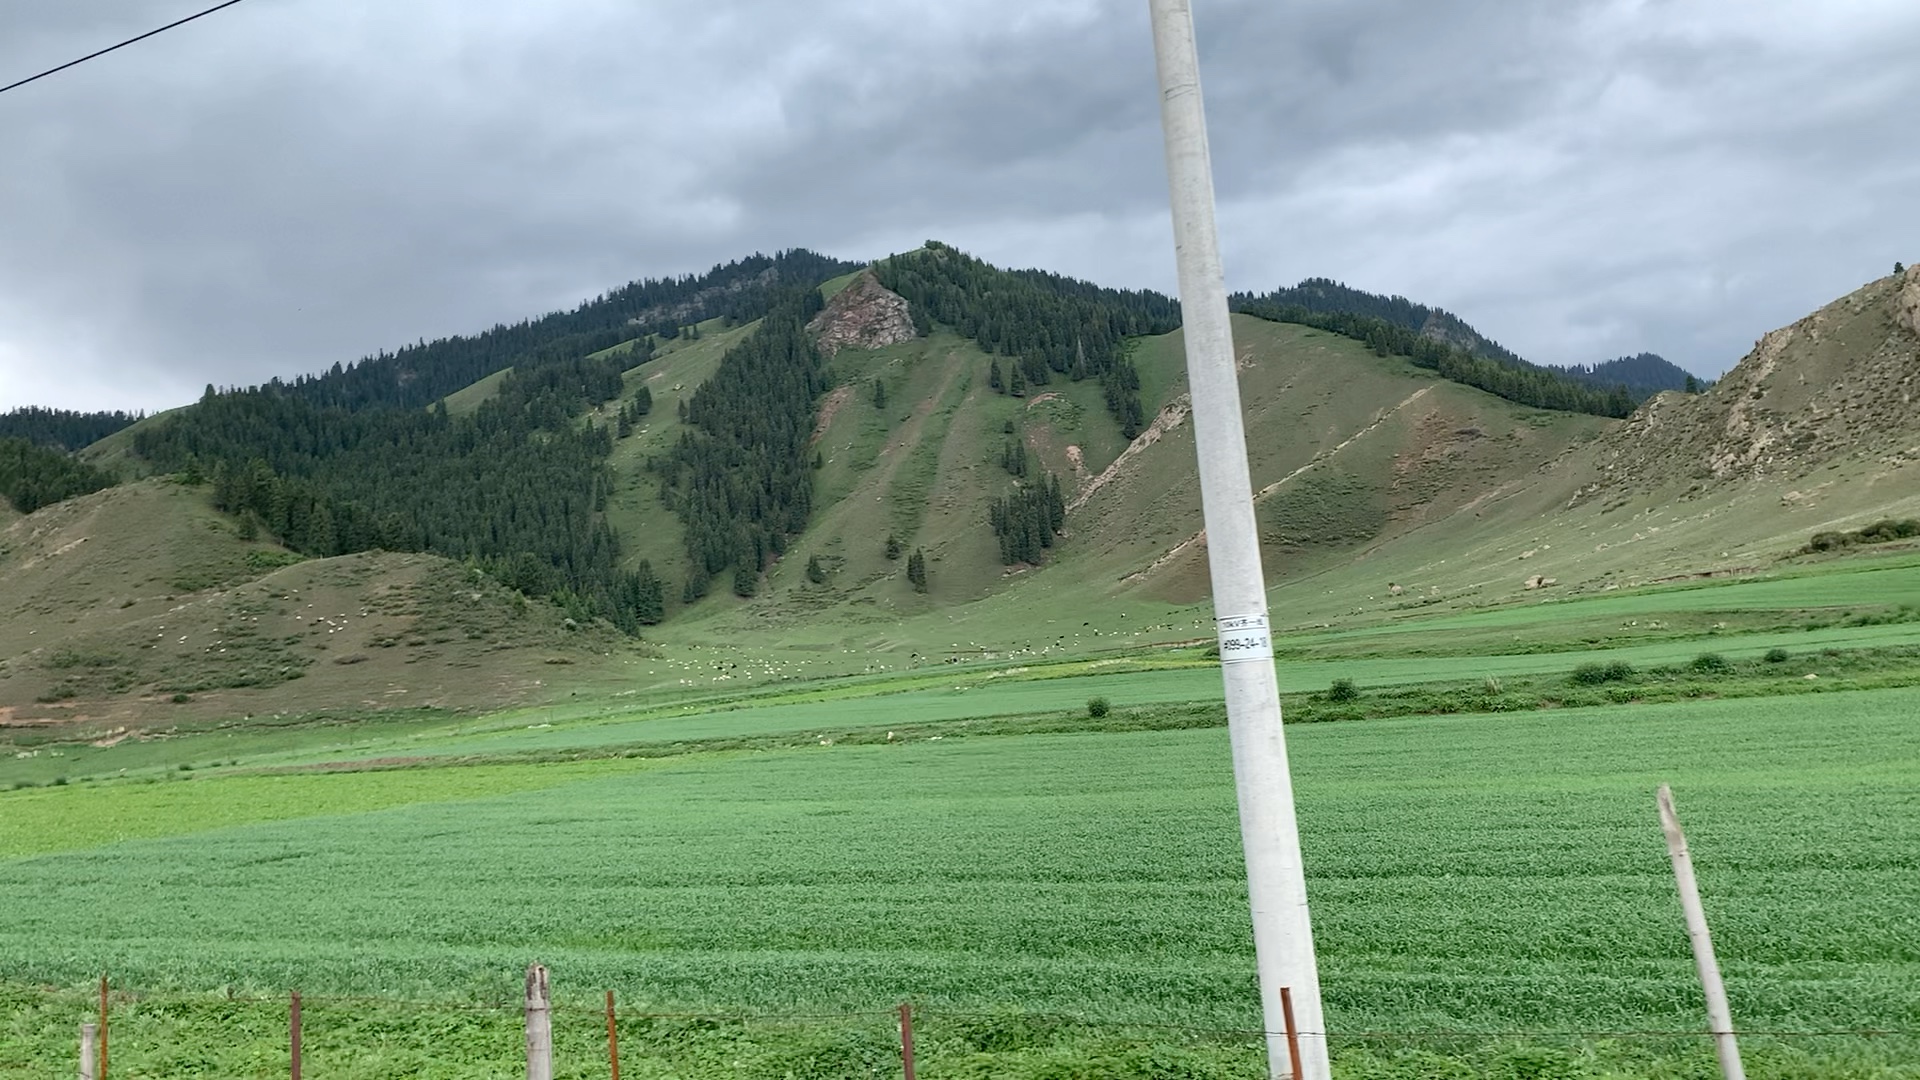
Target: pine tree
893, 547
1017, 382
917, 570
649, 595
994, 380
879, 394
815, 572
1027, 521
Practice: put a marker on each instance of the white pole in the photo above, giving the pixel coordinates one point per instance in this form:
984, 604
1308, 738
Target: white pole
1276, 884
87, 1037
539, 1025
1719, 1017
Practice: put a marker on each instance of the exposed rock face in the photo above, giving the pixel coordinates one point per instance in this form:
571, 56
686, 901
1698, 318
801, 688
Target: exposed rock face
864, 315
1842, 381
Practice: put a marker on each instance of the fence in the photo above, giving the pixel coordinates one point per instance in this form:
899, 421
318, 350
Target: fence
868, 1043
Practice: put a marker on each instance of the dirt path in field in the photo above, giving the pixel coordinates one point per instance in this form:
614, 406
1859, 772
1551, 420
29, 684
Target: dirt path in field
1317, 459
1169, 418
829, 408
1344, 443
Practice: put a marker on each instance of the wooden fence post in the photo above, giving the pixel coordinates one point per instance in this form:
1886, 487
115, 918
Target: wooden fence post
103, 1028
87, 1032
1293, 1033
293, 1034
613, 1039
539, 1025
1719, 1018
906, 1040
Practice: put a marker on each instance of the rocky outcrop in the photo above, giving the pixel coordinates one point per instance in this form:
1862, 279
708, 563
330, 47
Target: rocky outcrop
1844, 380
864, 315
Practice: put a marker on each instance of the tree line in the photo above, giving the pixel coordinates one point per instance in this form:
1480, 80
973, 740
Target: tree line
518, 487
367, 455
1516, 381
33, 476
1048, 325
740, 477
417, 375
63, 429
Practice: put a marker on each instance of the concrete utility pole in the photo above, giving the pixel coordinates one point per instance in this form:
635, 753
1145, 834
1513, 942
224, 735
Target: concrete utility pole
1282, 932
1719, 1018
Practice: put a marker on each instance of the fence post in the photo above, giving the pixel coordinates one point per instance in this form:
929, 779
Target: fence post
293, 1034
103, 1028
87, 1032
539, 1025
1719, 1017
1293, 1033
906, 1039
613, 1039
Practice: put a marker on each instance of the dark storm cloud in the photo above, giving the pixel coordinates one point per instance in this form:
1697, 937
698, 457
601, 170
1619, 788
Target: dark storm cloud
294, 182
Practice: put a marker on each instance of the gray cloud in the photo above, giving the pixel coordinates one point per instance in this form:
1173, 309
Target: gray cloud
294, 182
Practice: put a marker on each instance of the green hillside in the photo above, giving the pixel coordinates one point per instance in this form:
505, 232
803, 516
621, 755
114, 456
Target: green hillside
1385, 491
142, 607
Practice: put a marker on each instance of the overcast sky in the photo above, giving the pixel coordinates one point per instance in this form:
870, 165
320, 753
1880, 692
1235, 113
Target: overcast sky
288, 183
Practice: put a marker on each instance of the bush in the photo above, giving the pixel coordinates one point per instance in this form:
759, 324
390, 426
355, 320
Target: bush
1711, 664
1343, 690
1883, 531
1596, 673
1778, 656
1098, 707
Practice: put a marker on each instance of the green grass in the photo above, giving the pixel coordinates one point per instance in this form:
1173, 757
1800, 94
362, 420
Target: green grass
1469, 873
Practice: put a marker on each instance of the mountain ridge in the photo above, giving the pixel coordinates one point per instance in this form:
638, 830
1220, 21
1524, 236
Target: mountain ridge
944, 505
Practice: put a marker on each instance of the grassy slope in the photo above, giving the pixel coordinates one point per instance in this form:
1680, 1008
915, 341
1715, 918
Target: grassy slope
926, 468
118, 601
115, 452
466, 400
648, 530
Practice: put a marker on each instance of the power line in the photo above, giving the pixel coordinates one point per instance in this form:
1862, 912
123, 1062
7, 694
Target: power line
122, 45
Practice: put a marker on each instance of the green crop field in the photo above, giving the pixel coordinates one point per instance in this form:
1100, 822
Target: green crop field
1470, 874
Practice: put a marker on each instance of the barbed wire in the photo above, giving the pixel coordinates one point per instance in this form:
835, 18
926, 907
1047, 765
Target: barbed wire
927, 1012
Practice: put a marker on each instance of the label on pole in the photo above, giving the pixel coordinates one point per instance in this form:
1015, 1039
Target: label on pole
1244, 638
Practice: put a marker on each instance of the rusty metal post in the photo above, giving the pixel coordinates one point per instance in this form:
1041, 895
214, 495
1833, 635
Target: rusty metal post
906, 1039
103, 1028
1293, 1033
293, 1034
613, 1039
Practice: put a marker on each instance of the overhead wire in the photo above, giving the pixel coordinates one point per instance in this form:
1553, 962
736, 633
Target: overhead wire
122, 45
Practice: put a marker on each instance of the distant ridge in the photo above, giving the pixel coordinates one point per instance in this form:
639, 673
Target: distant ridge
62, 429
1643, 374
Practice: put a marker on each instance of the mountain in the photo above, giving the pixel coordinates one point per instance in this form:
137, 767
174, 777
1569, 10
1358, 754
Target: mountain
1643, 374
930, 454
1315, 299
1839, 384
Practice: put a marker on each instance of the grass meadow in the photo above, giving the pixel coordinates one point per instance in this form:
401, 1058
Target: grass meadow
1470, 874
